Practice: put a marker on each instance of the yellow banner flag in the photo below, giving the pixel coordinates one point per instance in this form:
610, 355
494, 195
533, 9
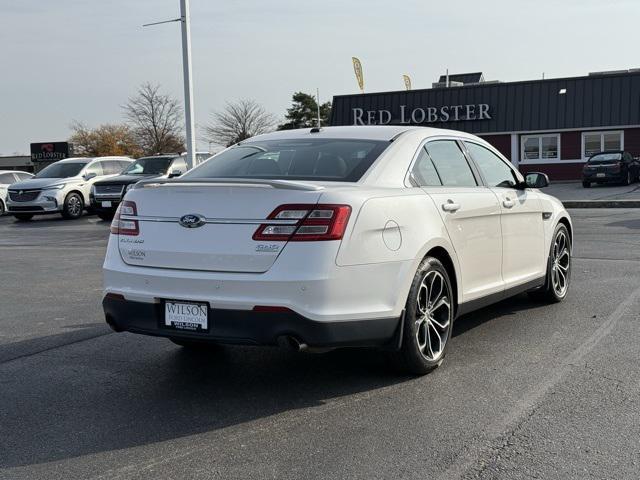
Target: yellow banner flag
407, 81
357, 68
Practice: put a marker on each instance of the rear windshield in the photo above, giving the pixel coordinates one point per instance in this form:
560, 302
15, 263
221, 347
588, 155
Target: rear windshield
149, 166
337, 160
606, 157
61, 170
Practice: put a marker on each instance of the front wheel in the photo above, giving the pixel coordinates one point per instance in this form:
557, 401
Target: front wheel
2, 209
558, 268
628, 179
73, 206
428, 319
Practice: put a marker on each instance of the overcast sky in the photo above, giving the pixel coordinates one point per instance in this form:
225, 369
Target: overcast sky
68, 60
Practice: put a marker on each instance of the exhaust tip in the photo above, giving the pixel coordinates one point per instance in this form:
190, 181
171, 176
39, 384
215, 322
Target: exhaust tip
291, 343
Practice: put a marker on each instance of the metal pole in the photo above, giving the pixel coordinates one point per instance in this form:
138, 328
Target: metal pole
318, 104
188, 87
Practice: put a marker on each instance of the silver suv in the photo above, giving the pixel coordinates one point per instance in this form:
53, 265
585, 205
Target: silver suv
62, 187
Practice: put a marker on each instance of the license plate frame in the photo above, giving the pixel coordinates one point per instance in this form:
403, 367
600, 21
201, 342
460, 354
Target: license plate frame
106, 204
182, 319
601, 175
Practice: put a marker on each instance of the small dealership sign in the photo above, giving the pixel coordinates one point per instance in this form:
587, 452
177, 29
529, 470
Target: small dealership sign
50, 151
421, 115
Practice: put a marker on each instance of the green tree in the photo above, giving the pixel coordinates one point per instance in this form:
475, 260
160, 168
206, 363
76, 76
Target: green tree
304, 112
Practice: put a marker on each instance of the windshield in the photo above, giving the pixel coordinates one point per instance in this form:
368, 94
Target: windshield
61, 170
338, 160
606, 157
149, 166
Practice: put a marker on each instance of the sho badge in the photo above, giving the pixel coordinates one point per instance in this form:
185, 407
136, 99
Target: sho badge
192, 220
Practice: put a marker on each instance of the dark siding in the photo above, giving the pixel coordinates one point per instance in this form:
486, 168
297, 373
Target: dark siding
556, 171
501, 142
632, 141
601, 101
570, 145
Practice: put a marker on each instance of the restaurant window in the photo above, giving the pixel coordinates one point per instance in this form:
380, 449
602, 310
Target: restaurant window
596, 142
537, 148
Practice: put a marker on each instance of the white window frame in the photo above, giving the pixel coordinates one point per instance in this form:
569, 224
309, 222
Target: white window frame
539, 136
602, 134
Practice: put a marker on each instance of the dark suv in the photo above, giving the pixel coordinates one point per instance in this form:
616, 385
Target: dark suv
612, 166
106, 195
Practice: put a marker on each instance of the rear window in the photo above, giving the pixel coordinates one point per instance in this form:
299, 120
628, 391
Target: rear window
337, 160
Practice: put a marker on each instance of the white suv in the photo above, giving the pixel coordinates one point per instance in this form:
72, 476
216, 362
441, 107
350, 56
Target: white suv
7, 177
62, 187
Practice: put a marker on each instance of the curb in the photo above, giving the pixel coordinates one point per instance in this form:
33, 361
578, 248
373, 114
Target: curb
601, 203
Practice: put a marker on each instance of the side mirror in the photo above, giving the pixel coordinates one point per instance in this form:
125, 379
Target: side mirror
89, 176
536, 180
175, 173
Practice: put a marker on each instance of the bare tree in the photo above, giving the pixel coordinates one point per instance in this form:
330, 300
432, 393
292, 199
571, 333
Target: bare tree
238, 121
156, 119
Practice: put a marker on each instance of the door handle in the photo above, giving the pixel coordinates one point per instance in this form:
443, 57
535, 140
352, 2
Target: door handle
508, 203
450, 206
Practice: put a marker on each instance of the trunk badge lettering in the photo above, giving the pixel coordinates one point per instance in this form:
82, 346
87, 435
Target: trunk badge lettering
192, 220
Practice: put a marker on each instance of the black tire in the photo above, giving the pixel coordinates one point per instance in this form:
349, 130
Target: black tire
586, 184
106, 216
627, 179
411, 357
194, 345
549, 293
73, 206
2, 209
23, 217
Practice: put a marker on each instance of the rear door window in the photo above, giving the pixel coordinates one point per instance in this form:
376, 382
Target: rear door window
424, 172
450, 163
494, 170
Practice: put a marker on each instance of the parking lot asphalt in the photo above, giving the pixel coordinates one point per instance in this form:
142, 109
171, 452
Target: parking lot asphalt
526, 391
573, 191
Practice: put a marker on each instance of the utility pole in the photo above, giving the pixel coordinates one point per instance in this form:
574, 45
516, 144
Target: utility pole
185, 18
185, 21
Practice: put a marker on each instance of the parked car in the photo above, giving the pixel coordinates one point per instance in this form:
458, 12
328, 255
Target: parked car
106, 194
341, 236
62, 187
7, 177
612, 166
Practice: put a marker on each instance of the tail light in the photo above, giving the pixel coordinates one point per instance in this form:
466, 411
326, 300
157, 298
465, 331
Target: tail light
307, 223
125, 226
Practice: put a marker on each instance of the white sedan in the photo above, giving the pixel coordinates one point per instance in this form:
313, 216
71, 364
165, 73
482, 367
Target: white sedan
341, 236
7, 177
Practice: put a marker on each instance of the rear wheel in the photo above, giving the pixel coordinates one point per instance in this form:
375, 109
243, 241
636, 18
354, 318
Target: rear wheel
586, 184
558, 268
73, 206
428, 319
23, 217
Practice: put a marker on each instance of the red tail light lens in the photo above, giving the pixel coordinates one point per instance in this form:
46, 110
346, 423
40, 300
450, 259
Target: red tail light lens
306, 223
125, 226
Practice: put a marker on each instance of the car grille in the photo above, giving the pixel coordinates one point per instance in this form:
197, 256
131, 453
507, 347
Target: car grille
109, 190
25, 209
23, 195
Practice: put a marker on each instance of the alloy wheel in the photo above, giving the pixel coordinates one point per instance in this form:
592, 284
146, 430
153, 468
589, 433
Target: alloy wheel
433, 315
561, 264
73, 206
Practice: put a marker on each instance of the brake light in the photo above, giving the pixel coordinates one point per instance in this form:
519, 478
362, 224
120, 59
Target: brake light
125, 226
307, 223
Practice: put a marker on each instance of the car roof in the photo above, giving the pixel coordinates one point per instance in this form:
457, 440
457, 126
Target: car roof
359, 132
15, 171
76, 160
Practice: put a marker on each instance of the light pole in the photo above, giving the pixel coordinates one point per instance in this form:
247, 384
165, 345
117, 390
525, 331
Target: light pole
185, 21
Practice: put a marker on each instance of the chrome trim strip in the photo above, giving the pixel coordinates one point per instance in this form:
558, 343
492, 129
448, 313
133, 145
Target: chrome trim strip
222, 221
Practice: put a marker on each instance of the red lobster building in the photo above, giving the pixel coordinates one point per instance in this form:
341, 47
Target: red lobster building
552, 126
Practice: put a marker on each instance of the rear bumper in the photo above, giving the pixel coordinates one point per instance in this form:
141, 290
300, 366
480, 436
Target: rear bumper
250, 327
608, 177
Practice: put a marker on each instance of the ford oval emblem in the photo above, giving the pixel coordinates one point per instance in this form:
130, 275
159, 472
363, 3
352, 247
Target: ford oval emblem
192, 220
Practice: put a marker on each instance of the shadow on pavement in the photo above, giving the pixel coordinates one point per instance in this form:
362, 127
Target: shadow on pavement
122, 391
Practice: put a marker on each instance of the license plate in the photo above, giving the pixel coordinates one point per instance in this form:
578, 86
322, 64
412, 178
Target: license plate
189, 316
106, 204
600, 174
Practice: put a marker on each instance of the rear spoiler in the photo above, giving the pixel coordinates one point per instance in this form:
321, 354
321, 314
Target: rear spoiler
283, 184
